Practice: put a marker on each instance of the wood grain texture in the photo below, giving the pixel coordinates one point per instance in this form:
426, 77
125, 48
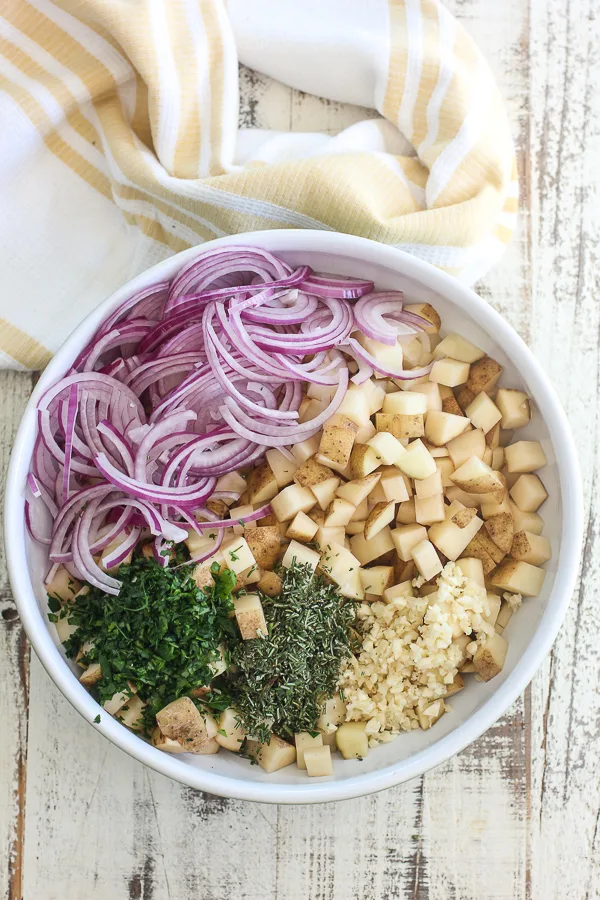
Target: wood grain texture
515, 816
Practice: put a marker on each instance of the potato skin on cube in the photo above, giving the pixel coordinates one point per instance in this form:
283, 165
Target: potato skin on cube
270, 584
182, 722
312, 472
264, 543
489, 659
250, 617
380, 516
483, 376
352, 741
338, 439
261, 484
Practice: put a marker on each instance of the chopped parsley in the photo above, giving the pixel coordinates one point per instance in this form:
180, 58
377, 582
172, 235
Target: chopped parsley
161, 633
282, 681
97, 719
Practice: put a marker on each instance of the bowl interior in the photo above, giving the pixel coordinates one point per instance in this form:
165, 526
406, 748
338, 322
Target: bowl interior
474, 708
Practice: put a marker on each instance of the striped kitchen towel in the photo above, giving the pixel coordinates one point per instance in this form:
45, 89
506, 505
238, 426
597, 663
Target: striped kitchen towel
120, 145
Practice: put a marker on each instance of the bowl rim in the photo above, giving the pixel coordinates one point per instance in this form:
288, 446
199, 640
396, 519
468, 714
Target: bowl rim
292, 240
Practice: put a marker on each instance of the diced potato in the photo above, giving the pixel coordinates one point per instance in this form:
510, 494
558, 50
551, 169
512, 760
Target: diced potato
483, 412
406, 514
445, 467
275, 755
357, 527
238, 555
456, 686
363, 460
339, 434
356, 405
466, 445
334, 535
472, 568
504, 616
387, 447
305, 449
231, 481
531, 548
305, 741
406, 537
182, 722
377, 579
311, 472
514, 406
464, 396
375, 393
501, 529
270, 584
310, 409
236, 513
359, 489
455, 493
63, 586
300, 554
483, 547
491, 508
167, 745
498, 458
475, 477
380, 516
261, 484
427, 312
428, 712
325, 491
339, 512
483, 375
450, 404
400, 426
264, 543
452, 540
292, 500
492, 436
494, 603
365, 432
528, 493
318, 762
417, 462
526, 521
429, 487
231, 733
334, 713
91, 675
367, 551
426, 559
352, 740
388, 356
430, 510
450, 372
302, 528
488, 455
462, 516
283, 468
250, 616
393, 485
489, 659
405, 403
525, 456
458, 347
442, 427
397, 591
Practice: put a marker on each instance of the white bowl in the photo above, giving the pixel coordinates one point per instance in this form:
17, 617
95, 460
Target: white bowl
530, 633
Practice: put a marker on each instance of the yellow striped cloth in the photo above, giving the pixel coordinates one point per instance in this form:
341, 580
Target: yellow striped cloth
120, 145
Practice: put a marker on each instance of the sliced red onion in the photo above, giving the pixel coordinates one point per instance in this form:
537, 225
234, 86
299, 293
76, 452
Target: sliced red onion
33, 485
116, 556
401, 374
32, 528
336, 286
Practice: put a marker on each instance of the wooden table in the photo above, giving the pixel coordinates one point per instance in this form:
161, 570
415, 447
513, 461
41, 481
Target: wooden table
515, 816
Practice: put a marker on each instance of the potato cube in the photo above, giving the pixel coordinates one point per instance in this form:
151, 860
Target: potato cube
361, 511
504, 616
458, 347
426, 559
484, 548
417, 462
380, 516
236, 513
526, 521
400, 426
334, 713
387, 447
130, 714
455, 686
498, 458
476, 477
231, 481
427, 312
455, 493
231, 733
299, 554
377, 579
261, 485
483, 412
310, 409
250, 616
514, 406
483, 375
365, 432
430, 510
395, 593
429, 712
429, 487
325, 491
305, 449
91, 675
311, 472
464, 396
167, 745
363, 461
355, 405
494, 603
450, 405
518, 577
489, 659
339, 434
501, 529
393, 485
405, 403
182, 722
406, 514
270, 584
282, 467
466, 445
492, 436
63, 587
304, 741
359, 489
406, 537
388, 357
452, 540
375, 394
292, 500
368, 550
528, 493
450, 372
339, 512
264, 543
442, 427
302, 528
318, 762
333, 535
275, 755
352, 741
525, 456
531, 548
471, 568
237, 555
